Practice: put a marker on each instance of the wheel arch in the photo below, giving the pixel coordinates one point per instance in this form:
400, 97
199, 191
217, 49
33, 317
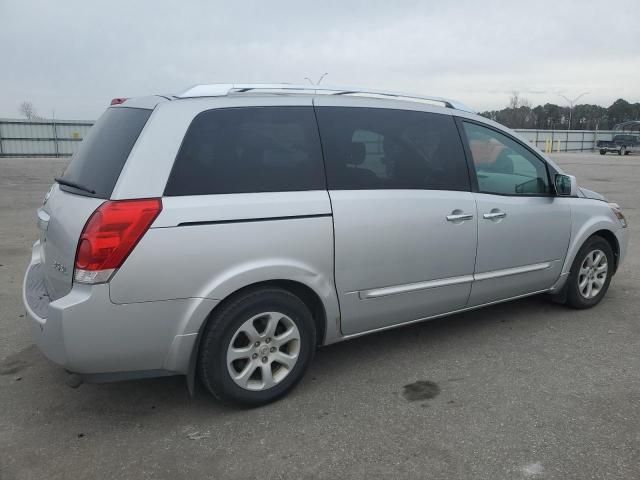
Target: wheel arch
308, 296
591, 217
596, 230
304, 292
611, 238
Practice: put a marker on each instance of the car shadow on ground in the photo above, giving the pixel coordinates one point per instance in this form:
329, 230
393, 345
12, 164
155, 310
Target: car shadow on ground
334, 363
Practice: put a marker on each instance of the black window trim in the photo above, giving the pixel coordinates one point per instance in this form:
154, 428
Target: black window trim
472, 168
471, 177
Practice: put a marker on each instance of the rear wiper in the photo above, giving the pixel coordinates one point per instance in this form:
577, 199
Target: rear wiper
69, 183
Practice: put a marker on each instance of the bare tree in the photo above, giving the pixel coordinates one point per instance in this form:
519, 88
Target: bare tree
516, 101
28, 111
518, 113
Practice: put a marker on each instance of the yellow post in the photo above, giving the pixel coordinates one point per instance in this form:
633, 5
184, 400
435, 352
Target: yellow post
558, 148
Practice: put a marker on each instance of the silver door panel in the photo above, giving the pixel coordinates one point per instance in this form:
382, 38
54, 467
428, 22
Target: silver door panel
386, 241
533, 232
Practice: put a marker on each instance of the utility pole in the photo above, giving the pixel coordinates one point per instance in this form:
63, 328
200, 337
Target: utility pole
571, 103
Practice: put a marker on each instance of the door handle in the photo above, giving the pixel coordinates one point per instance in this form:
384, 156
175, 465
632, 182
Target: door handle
459, 217
494, 215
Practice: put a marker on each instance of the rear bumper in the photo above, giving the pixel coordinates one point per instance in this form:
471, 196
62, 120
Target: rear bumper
45, 326
86, 333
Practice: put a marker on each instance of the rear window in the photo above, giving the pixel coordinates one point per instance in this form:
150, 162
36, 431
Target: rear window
251, 149
102, 154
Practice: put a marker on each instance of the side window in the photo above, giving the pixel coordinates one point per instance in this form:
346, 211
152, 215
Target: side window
503, 166
253, 149
376, 148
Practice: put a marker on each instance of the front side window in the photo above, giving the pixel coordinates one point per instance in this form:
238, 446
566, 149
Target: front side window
376, 148
252, 149
503, 166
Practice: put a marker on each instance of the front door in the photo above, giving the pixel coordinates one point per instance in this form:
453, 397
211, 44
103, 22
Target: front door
404, 217
523, 228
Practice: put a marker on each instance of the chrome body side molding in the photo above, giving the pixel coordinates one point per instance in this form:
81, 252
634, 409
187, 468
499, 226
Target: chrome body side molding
443, 282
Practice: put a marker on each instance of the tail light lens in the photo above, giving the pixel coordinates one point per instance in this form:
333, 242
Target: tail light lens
110, 235
118, 101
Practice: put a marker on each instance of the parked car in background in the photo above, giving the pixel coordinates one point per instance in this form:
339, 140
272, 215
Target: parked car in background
229, 230
622, 144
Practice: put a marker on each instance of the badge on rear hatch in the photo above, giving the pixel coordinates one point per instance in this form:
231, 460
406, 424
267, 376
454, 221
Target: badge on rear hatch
60, 268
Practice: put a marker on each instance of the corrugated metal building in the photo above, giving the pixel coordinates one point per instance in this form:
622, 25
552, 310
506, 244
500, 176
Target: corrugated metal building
28, 138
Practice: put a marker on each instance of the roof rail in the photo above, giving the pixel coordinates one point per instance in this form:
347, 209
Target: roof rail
223, 89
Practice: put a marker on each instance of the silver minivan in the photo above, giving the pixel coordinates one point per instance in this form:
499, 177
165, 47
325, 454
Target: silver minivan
226, 232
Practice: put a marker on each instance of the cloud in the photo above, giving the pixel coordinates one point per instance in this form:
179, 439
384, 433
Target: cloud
75, 56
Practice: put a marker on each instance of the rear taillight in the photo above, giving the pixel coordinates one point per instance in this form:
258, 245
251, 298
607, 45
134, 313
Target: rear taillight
110, 235
118, 101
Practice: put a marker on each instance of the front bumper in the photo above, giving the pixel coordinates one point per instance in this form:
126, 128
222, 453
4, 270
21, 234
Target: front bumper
86, 333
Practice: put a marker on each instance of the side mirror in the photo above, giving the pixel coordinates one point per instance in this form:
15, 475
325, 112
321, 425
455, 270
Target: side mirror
566, 185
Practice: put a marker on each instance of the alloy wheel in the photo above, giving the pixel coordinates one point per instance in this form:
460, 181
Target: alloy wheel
593, 274
263, 351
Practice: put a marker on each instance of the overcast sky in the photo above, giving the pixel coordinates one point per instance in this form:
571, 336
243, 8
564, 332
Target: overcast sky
74, 56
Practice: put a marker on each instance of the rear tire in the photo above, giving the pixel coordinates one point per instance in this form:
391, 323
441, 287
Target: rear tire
603, 152
590, 274
622, 151
257, 347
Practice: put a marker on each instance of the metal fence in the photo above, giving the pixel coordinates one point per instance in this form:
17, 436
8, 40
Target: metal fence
43, 138
60, 138
565, 140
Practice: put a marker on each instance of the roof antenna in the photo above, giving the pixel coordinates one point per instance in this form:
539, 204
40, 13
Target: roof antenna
319, 80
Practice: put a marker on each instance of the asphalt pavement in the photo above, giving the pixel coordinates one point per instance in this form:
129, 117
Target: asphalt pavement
522, 390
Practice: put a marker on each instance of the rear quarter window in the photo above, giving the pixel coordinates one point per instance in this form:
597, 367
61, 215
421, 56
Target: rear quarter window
249, 149
98, 162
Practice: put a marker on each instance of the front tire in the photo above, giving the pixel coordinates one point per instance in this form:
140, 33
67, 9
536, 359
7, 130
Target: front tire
591, 274
622, 151
603, 152
257, 347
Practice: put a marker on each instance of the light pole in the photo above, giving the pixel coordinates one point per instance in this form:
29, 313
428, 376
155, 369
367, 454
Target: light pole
572, 103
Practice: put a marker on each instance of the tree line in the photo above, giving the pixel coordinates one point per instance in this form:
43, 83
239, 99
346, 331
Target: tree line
519, 114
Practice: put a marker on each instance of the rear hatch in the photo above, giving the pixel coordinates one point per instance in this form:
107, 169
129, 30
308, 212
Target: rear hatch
88, 181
